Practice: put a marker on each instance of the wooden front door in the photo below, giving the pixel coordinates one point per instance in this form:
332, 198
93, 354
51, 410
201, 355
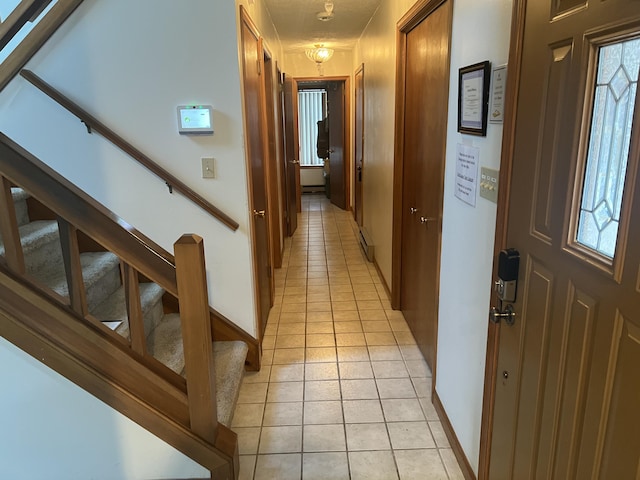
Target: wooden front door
567, 398
422, 167
291, 153
336, 102
358, 145
252, 58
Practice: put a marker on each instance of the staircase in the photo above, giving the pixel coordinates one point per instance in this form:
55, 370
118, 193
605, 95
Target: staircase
98, 318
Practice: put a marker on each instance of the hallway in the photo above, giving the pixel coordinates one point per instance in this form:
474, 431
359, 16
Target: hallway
343, 392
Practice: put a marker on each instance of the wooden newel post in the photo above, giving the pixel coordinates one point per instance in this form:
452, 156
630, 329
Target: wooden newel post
196, 335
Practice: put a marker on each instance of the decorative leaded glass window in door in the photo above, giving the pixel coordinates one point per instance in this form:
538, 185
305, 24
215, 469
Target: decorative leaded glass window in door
610, 134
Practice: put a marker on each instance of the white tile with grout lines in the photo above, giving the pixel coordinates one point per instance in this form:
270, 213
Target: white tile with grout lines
347, 390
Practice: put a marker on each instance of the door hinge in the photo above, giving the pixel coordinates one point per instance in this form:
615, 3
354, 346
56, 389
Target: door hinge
259, 67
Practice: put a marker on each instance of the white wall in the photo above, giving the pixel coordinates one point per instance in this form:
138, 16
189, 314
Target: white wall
480, 32
298, 65
377, 50
465, 278
69, 434
130, 64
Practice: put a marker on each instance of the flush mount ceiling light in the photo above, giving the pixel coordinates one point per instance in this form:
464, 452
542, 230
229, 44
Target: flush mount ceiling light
328, 12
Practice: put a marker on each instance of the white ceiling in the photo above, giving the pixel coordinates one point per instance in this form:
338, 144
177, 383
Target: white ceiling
299, 28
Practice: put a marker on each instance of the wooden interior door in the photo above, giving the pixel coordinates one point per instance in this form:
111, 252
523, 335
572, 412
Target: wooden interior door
271, 93
358, 145
567, 395
336, 106
291, 153
252, 58
423, 158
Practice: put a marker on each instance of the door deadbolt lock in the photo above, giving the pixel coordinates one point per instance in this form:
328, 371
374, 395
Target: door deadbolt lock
508, 315
507, 284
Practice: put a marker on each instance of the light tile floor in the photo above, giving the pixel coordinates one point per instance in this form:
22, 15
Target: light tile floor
344, 392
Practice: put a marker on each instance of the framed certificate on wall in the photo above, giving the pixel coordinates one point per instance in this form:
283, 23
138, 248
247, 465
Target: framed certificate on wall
473, 98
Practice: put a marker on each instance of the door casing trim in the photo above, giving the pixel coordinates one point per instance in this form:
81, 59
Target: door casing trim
348, 154
504, 194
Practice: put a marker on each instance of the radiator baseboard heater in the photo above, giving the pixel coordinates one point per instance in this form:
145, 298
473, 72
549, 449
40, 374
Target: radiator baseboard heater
366, 244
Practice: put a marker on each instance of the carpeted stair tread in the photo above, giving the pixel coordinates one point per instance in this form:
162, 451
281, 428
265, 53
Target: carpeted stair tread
229, 364
114, 308
95, 267
40, 245
34, 235
165, 344
106, 301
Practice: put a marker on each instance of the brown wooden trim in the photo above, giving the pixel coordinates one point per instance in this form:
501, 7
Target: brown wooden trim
36, 39
23, 13
196, 336
87, 215
412, 18
93, 348
271, 91
59, 353
245, 20
465, 466
135, 249
347, 155
134, 310
398, 163
506, 163
13, 253
421, 10
382, 279
72, 266
94, 125
281, 156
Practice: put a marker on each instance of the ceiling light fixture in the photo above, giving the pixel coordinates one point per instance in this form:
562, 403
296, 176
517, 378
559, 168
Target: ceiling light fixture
328, 12
319, 54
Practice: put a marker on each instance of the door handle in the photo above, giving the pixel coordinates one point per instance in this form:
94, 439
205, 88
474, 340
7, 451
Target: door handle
259, 213
413, 210
426, 220
508, 315
295, 162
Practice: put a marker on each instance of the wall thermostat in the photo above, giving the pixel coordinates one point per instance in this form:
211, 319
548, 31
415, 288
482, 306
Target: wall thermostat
195, 119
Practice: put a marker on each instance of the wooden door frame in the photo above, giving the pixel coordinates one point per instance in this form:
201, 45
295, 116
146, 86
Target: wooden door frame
347, 128
282, 157
246, 19
421, 10
416, 15
359, 70
272, 161
504, 194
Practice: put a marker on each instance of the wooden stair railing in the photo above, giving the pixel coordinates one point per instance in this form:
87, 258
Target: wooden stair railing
87, 215
62, 333
47, 26
94, 125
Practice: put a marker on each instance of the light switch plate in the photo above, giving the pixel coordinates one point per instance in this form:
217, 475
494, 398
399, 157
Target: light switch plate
489, 184
208, 167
